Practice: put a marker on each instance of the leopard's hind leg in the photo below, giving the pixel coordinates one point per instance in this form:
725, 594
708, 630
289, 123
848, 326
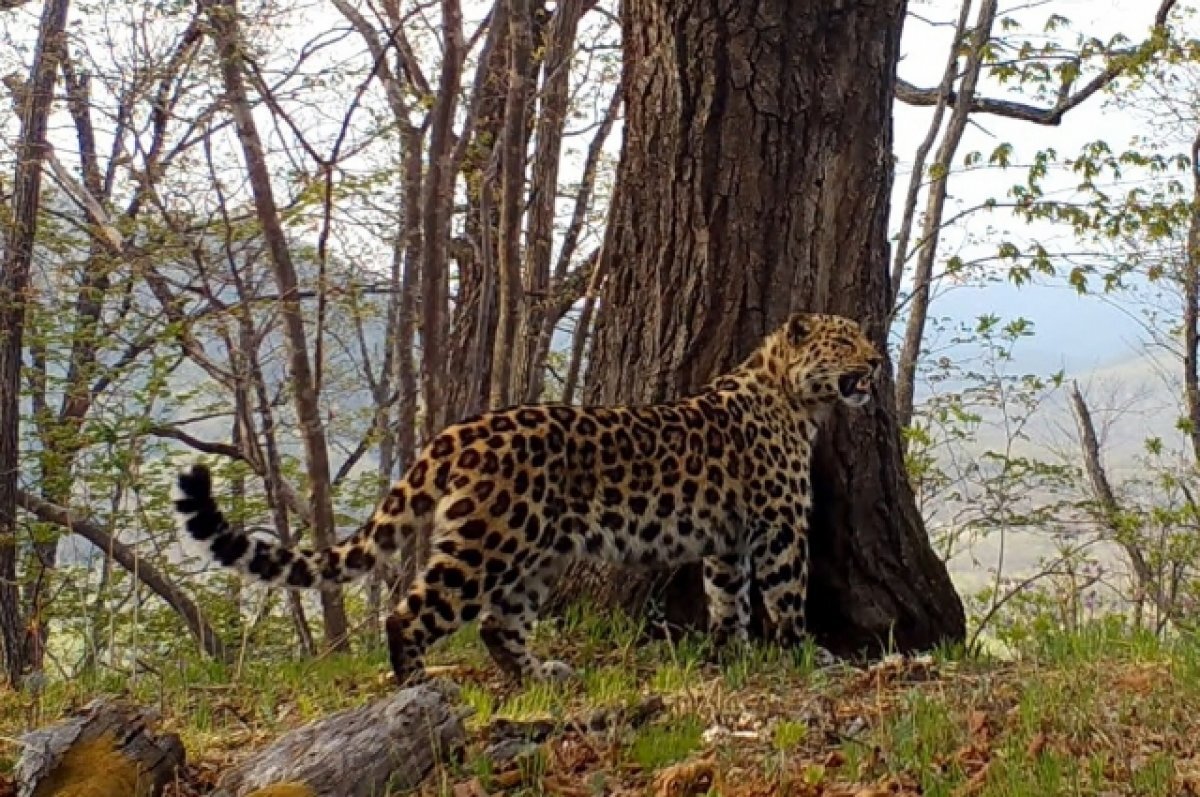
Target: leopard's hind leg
513, 607
448, 592
440, 600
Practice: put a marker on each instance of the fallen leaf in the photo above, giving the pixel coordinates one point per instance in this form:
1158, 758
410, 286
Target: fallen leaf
572, 754
687, 778
1142, 679
977, 723
975, 784
1036, 745
470, 788
508, 779
557, 786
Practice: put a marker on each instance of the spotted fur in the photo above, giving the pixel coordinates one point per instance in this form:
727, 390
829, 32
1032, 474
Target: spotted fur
509, 497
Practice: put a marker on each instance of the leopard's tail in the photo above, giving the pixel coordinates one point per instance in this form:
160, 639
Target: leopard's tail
298, 568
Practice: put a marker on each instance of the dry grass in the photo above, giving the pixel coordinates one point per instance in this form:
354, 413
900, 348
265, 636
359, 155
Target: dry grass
1097, 712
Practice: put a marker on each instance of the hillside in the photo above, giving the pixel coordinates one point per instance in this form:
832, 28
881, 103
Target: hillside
1097, 711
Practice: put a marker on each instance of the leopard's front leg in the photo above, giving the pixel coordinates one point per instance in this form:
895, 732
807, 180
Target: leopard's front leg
780, 555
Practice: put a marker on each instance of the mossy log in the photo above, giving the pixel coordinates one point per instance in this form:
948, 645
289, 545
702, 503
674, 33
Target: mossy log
395, 741
108, 748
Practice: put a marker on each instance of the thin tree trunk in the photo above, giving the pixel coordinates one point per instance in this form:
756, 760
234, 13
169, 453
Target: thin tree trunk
406, 376
272, 461
745, 124
1108, 511
528, 377
479, 374
382, 388
437, 206
583, 329
408, 244
59, 433
19, 241
411, 555
914, 333
917, 178
399, 438
1191, 310
223, 16
470, 352
570, 243
512, 204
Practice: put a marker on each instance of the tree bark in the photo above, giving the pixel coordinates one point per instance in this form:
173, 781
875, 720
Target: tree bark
1191, 310
222, 14
436, 209
106, 748
469, 352
527, 378
392, 743
511, 296
754, 180
14, 283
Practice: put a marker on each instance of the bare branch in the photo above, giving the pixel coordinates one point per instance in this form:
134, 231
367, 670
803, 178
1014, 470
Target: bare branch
1118, 62
906, 367
140, 568
203, 446
1107, 509
917, 177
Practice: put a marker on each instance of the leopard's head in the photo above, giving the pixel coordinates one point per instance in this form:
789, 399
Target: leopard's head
826, 358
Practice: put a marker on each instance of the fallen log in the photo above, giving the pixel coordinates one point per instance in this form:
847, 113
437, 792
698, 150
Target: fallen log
108, 748
394, 742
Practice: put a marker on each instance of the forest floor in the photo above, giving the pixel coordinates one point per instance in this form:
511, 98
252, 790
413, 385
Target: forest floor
1095, 712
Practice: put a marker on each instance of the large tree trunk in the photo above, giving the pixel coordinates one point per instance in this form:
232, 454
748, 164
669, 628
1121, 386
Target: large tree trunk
754, 180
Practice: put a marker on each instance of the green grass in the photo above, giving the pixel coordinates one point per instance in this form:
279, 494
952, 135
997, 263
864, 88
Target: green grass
658, 745
789, 734
1100, 710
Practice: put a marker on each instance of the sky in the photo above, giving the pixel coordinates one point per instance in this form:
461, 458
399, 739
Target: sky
1090, 338
1079, 334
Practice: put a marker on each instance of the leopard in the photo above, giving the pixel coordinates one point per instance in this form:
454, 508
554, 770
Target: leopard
506, 500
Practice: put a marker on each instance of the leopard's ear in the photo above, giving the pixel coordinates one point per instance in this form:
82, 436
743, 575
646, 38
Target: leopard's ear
798, 327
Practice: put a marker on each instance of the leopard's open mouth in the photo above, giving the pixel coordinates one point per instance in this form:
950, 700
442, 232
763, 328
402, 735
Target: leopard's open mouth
855, 388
